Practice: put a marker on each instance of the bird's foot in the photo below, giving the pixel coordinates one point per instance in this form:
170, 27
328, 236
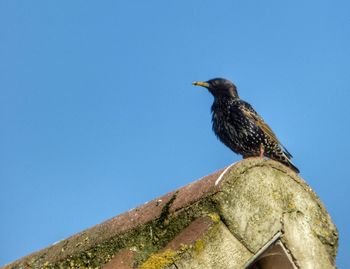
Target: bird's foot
262, 151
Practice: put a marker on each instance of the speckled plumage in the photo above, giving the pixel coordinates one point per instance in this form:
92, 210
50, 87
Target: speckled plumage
240, 127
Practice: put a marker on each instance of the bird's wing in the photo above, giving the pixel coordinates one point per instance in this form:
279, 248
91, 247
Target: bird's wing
251, 114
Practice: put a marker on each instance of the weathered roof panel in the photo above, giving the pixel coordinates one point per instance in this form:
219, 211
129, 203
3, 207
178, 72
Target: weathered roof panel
221, 220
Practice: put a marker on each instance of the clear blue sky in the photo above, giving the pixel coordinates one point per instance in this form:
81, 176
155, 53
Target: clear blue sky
98, 114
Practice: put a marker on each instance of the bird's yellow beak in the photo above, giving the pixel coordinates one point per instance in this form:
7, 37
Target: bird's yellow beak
199, 83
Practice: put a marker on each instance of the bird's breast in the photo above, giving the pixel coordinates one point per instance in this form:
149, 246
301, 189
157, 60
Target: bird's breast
235, 130
223, 127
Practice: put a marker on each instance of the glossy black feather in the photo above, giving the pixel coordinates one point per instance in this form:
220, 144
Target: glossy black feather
240, 127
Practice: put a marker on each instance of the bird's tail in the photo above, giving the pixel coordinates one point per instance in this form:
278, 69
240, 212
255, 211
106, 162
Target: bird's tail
292, 166
283, 156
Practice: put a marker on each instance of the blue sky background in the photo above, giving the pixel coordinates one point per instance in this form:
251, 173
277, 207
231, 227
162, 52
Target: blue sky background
98, 114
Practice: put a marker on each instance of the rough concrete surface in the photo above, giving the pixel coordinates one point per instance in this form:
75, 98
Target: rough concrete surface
207, 225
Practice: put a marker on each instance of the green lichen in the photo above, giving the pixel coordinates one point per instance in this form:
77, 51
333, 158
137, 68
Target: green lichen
159, 260
198, 246
214, 217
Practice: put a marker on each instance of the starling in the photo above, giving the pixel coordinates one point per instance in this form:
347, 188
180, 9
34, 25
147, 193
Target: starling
240, 127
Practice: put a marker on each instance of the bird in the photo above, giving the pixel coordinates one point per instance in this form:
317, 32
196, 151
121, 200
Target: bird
240, 127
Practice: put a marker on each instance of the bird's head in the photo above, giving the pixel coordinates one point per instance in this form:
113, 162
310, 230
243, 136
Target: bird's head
219, 87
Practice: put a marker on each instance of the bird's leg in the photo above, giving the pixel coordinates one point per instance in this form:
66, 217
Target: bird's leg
262, 150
